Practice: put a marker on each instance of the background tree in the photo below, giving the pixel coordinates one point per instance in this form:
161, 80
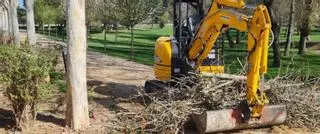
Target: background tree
229, 38
306, 11
5, 19
14, 20
276, 31
131, 13
47, 12
155, 12
290, 28
77, 115
108, 17
92, 13
30, 22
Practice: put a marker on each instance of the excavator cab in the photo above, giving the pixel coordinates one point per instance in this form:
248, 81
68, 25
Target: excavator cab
187, 16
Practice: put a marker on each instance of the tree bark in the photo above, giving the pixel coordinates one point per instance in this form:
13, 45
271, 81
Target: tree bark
132, 43
15, 24
231, 43
290, 29
276, 30
304, 30
77, 115
30, 22
10, 30
2, 19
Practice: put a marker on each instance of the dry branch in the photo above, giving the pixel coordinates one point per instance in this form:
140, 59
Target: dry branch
169, 109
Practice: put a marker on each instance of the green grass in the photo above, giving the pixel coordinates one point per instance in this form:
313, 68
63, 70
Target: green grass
144, 39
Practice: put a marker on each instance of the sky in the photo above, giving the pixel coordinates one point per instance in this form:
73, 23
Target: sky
20, 3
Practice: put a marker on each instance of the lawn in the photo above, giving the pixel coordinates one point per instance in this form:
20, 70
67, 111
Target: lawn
144, 38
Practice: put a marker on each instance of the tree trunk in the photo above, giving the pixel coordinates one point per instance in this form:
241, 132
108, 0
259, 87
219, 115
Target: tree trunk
6, 20
77, 115
303, 40
56, 30
290, 29
238, 37
276, 30
152, 23
42, 28
132, 43
15, 24
88, 31
2, 19
10, 26
116, 35
30, 22
304, 31
231, 43
49, 29
105, 31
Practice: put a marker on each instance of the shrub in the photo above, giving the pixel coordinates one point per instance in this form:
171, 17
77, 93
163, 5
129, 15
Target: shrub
25, 75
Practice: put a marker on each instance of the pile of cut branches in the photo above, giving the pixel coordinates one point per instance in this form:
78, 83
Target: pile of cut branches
168, 110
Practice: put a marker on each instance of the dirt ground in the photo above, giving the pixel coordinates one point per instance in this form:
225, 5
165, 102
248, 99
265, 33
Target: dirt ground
109, 78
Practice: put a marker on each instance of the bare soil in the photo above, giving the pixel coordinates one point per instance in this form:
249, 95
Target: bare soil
109, 78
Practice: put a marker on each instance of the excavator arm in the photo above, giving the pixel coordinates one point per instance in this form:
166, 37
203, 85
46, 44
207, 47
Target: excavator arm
168, 64
258, 27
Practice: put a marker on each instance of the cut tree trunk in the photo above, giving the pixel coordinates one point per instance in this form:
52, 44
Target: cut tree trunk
14, 20
290, 29
30, 22
276, 30
77, 115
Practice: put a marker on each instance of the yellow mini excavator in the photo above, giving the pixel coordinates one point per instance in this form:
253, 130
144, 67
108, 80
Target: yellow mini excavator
193, 48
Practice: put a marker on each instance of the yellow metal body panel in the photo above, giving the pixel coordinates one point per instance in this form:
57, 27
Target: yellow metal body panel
212, 69
162, 58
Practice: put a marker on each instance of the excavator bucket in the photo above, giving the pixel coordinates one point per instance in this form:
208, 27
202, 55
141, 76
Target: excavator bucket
231, 119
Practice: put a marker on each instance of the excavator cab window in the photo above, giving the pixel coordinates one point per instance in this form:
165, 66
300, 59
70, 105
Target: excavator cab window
187, 17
